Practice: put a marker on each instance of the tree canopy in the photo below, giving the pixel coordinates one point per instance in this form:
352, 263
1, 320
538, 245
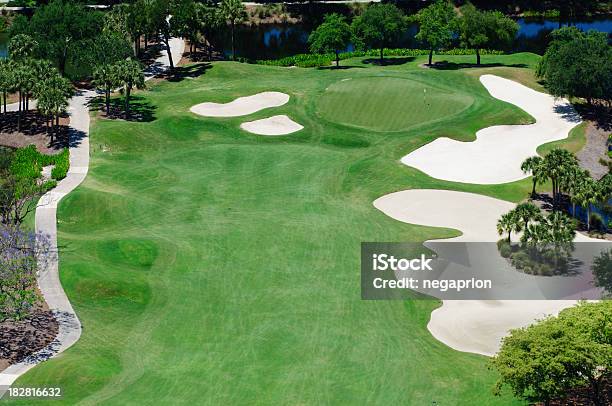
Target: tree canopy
379, 26
578, 64
333, 35
485, 29
437, 25
548, 359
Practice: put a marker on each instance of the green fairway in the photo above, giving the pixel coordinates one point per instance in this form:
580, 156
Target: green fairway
212, 266
389, 103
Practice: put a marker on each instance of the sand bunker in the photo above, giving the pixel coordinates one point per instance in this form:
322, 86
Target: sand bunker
468, 325
275, 125
497, 153
242, 106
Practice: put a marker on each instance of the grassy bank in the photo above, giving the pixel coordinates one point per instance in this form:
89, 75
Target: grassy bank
209, 265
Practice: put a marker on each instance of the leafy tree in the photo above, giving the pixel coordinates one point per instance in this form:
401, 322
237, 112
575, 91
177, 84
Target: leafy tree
533, 165
105, 78
577, 64
59, 28
333, 35
546, 360
379, 26
234, 12
188, 18
479, 29
22, 46
437, 25
130, 74
107, 48
21, 256
18, 196
602, 271
162, 21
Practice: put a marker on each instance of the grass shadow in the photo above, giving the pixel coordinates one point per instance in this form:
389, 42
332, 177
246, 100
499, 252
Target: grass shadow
599, 114
390, 61
341, 67
141, 110
446, 65
193, 71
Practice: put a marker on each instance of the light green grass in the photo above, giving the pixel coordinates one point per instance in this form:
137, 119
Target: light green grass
212, 266
388, 103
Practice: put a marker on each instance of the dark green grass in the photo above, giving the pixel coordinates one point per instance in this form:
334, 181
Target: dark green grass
212, 266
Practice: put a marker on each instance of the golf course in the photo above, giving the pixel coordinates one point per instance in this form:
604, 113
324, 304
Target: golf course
211, 265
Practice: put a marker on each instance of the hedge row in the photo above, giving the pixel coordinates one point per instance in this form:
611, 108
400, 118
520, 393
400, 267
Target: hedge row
315, 60
28, 163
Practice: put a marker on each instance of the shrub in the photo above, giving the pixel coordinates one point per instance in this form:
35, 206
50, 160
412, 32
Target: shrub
316, 60
505, 249
28, 163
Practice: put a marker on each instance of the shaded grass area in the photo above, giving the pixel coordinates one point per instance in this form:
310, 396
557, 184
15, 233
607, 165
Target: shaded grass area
210, 265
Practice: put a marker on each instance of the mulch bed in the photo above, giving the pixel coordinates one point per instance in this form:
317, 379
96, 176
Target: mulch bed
582, 397
18, 339
33, 131
595, 149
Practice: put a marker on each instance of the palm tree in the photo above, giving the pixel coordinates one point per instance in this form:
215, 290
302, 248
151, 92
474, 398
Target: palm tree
508, 223
562, 228
234, 12
533, 165
105, 79
527, 212
129, 74
53, 96
557, 166
6, 79
589, 193
573, 183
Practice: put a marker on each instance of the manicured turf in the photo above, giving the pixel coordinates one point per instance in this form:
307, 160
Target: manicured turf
212, 266
388, 103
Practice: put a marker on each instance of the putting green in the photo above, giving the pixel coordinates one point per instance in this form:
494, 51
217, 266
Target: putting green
210, 267
388, 103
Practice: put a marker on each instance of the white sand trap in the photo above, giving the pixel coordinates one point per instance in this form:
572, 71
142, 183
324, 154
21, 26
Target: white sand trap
275, 125
242, 106
468, 325
497, 153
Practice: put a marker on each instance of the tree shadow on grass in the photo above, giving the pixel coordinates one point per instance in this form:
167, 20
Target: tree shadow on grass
389, 61
141, 110
193, 71
600, 114
341, 67
446, 65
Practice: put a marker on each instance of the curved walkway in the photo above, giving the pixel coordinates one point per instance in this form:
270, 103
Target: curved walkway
46, 223
497, 153
478, 326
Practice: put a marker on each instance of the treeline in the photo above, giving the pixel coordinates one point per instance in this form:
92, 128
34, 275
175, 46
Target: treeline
381, 25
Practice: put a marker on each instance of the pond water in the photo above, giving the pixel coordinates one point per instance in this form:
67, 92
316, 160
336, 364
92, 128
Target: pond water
271, 41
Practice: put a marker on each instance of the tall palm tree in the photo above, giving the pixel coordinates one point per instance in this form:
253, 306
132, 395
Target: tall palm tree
558, 165
527, 212
533, 166
509, 223
129, 73
234, 12
588, 194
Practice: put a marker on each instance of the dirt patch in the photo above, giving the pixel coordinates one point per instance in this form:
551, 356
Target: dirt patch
18, 339
595, 149
33, 131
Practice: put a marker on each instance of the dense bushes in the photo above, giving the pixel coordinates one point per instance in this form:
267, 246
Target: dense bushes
315, 60
28, 162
